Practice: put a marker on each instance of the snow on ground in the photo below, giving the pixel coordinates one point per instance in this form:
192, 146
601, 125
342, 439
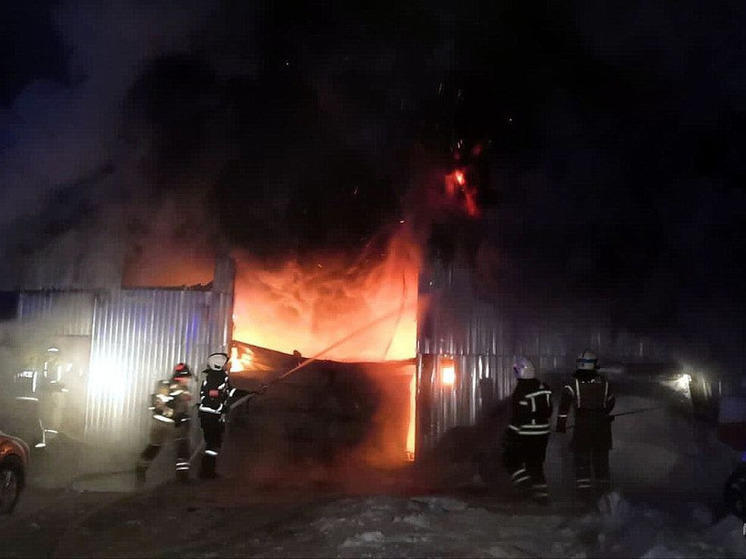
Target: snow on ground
431, 526
229, 519
670, 472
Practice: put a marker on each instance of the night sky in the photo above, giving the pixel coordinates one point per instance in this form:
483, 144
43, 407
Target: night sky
614, 133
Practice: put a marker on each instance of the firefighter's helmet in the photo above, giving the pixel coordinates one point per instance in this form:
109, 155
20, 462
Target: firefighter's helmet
217, 361
524, 368
587, 361
181, 370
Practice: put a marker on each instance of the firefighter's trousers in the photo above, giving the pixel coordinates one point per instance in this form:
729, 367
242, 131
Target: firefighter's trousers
589, 464
213, 427
523, 457
160, 433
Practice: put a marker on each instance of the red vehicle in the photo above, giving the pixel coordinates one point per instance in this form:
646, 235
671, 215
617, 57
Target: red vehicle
14, 455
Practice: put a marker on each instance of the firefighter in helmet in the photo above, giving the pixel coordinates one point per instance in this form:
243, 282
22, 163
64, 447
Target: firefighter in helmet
52, 390
170, 410
525, 441
589, 394
216, 396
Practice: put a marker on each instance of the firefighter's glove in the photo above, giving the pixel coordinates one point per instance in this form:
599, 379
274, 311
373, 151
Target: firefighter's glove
561, 425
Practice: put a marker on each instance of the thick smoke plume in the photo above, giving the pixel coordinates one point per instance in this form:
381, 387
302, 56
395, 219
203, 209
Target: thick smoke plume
612, 142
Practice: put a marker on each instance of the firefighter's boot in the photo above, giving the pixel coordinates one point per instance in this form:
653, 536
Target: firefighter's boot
207, 467
539, 493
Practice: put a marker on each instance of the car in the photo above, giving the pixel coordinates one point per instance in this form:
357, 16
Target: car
14, 457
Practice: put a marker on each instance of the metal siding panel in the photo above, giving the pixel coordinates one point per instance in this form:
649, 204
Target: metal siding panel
475, 335
67, 313
139, 335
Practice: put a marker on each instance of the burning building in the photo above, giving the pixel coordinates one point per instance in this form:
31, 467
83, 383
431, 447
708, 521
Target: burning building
116, 343
415, 343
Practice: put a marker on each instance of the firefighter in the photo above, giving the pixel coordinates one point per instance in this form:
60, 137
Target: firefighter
170, 410
590, 396
26, 422
525, 441
216, 396
52, 391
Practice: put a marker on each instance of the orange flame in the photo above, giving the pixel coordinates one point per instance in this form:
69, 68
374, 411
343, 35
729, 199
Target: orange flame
459, 190
312, 304
412, 418
242, 362
309, 306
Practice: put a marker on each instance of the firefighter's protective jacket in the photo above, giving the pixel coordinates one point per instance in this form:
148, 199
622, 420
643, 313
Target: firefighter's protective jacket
591, 397
216, 393
170, 402
531, 407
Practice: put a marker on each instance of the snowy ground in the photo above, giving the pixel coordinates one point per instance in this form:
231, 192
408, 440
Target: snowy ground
669, 472
214, 520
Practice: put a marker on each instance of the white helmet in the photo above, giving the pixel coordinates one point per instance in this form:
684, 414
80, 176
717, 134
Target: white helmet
217, 361
587, 361
524, 368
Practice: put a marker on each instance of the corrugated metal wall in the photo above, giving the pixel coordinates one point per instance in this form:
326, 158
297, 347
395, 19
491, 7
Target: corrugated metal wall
138, 335
63, 313
454, 325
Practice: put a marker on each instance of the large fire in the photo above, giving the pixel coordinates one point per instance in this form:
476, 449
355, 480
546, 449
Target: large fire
311, 307
323, 305
359, 312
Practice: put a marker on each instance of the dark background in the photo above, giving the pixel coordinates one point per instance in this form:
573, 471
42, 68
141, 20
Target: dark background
612, 173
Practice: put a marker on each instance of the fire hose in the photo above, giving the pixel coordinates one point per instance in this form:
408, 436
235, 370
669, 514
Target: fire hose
243, 399
632, 412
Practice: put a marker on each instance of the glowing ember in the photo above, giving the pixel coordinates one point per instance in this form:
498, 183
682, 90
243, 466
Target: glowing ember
460, 191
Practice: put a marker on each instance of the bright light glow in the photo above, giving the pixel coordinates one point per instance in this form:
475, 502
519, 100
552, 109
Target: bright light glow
412, 417
447, 372
682, 383
106, 380
460, 179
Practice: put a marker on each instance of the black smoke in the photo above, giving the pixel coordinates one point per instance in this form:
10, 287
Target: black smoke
611, 175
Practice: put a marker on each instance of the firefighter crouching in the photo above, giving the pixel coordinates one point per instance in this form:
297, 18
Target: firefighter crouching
215, 398
170, 409
526, 438
591, 398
